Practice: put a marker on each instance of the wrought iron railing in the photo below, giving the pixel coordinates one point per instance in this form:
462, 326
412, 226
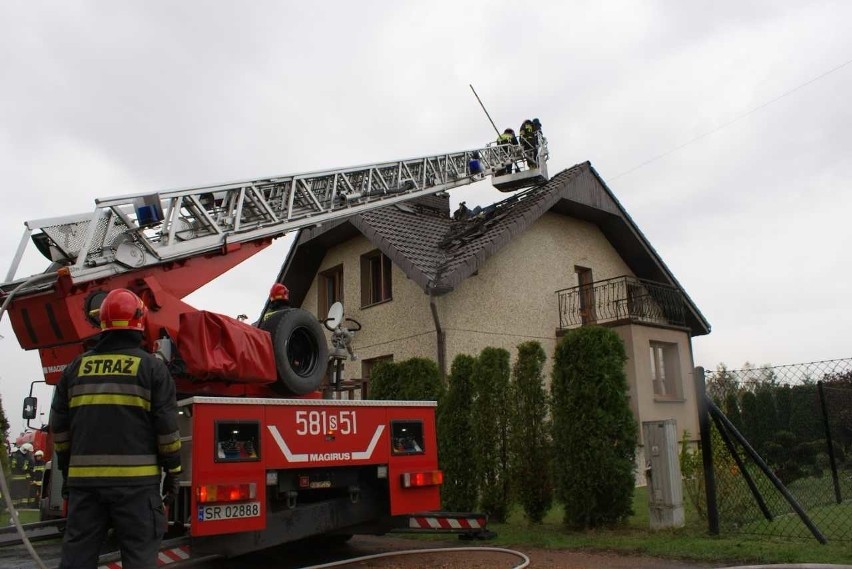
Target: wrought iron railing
621, 298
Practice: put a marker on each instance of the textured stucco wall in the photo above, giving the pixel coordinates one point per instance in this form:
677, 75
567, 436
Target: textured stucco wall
402, 327
647, 406
513, 297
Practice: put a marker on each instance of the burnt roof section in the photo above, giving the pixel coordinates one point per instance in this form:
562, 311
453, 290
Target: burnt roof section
438, 253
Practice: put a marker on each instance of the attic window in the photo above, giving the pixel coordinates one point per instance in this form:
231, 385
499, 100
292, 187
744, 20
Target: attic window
375, 278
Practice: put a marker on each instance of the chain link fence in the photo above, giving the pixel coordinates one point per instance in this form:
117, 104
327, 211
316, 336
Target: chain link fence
798, 420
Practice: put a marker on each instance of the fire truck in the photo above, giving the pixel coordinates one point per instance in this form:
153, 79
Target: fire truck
269, 455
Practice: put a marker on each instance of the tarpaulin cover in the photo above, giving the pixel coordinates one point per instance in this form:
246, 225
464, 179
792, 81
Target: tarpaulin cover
217, 347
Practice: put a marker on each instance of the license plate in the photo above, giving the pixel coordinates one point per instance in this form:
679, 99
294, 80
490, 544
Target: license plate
228, 511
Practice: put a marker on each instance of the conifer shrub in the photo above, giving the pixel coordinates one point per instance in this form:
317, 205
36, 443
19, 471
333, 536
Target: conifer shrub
491, 407
456, 444
4, 432
415, 379
594, 431
530, 433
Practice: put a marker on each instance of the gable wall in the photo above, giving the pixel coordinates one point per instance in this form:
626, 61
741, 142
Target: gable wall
402, 327
513, 297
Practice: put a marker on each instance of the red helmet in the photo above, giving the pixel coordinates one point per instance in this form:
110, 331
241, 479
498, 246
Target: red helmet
122, 310
279, 292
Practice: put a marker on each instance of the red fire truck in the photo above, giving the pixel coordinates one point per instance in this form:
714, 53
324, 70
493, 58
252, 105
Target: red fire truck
267, 457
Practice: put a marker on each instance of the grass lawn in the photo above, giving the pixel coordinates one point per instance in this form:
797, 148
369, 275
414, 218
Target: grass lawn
690, 542
26, 517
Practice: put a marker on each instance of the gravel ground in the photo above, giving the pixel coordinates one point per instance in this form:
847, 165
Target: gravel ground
286, 558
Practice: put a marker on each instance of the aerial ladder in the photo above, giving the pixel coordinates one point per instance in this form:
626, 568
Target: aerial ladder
168, 244
266, 460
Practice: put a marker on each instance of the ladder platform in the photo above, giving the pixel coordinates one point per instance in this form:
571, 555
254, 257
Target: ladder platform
518, 180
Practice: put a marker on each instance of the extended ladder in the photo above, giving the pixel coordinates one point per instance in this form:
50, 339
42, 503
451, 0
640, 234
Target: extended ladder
130, 232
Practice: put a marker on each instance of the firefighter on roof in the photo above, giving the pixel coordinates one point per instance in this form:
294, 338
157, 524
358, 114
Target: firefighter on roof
114, 425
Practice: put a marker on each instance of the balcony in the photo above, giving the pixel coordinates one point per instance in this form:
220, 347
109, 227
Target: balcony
621, 300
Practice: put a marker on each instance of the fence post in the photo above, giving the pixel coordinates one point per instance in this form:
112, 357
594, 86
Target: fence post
837, 496
706, 451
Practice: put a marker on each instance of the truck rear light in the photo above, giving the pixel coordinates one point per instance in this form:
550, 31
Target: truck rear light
226, 492
420, 479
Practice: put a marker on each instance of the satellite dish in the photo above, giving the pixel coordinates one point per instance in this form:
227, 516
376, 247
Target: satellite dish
335, 315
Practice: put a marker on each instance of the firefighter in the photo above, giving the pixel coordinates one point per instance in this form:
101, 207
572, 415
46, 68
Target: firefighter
38, 477
114, 425
529, 141
507, 137
19, 481
279, 299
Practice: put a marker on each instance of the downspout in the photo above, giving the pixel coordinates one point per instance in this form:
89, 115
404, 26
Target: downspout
440, 337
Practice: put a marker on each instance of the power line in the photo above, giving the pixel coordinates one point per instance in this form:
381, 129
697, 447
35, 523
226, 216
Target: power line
732, 121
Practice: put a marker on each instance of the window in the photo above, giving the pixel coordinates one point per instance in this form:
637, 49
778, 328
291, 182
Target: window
330, 289
587, 294
665, 370
375, 278
237, 441
407, 437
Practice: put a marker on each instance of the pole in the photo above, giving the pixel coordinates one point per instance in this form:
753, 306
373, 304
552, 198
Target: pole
832, 461
484, 109
706, 452
761, 503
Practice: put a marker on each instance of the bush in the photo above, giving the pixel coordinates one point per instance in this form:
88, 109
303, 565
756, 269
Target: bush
530, 437
692, 470
491, 430
594, 431
4, 432
416, 379
456, 444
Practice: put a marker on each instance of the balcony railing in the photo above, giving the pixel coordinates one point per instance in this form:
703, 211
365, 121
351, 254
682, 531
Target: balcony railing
621, 298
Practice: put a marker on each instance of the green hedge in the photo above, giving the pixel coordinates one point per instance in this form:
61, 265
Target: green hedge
530, 433
416, 379
594, 431
491, 431
456, 444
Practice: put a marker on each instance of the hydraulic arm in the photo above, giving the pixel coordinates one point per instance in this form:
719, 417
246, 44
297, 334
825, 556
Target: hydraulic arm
165, 245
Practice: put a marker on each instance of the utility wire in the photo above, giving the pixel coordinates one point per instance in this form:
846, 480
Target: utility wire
732, 121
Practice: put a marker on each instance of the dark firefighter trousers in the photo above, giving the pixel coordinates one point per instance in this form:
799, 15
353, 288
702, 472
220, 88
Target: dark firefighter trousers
135, 512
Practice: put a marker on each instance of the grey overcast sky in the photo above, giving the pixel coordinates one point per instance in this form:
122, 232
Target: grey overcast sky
101, 98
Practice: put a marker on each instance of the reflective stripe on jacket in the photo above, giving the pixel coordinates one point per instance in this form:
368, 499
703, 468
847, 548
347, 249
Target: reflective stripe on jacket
114, 416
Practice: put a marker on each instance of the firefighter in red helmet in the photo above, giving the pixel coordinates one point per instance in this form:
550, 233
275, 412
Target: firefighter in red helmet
115, 430
279, 299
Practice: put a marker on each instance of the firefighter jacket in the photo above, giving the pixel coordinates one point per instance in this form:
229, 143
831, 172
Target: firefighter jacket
21, 478
38, 472
506, 138
275, 307
114, 416
21, 464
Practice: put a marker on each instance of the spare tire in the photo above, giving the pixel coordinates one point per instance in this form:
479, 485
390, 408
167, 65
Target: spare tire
300, 348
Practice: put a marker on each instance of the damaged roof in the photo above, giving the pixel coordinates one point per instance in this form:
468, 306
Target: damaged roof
438, 252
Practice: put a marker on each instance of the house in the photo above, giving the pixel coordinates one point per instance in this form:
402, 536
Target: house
545, 260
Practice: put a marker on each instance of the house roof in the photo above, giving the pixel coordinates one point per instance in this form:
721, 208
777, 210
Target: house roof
438, 253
